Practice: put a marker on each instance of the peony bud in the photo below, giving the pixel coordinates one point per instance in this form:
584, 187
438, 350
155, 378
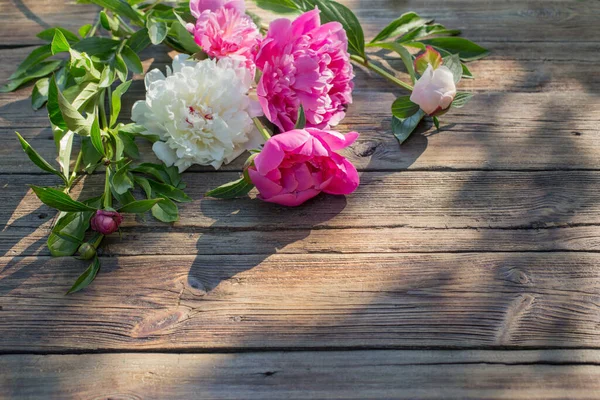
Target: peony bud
87, 251
106, 222
435, 90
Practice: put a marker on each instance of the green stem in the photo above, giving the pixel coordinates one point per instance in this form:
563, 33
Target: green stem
107, 192
261, 128
126, 27
102, 110
96, 241
380, 71
75, 169
92, 31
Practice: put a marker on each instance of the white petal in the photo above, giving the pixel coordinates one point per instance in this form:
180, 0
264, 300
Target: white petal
153, 76
164, 153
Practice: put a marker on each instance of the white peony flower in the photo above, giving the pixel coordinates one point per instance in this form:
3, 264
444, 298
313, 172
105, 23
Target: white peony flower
201, 111
435, 90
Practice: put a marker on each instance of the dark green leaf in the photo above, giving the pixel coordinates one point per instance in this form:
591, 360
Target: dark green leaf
116, 101
38, 159
400, 26
403, 53
333, 11
169, 191
183, 39
467, 50
48, 35
132, 60
427, 31
121, 68
453, 64
461, 99
466, 73
301, 119
129, 146
96, 46
70, 115
158, 171
68, 233
278, 6
404, 108
402, 128
39, 94
59, 43
59, 200
120, 7
35, 57
53, 108
91, 158
138, 206
231, 190
436, 122
96, 137
139, 40
87, 277
157, 30
39, 70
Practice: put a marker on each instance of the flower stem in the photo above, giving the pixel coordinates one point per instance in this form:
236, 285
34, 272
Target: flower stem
107, 192
102, 110
75, 169
380, 71
261, 128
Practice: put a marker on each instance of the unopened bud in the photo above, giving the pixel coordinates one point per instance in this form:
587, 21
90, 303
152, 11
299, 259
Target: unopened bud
87, 251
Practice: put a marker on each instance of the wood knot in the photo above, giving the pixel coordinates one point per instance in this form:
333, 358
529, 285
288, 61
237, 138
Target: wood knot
365, 149
515, 275
158, 323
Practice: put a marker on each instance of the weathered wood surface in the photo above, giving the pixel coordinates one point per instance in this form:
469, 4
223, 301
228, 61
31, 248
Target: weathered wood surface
485, 235
297, 301
319, 375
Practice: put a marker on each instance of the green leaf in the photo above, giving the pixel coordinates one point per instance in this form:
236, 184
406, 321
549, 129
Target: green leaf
400, 26
402, 128
138, 206
59, 43
79, 95
39, 70
37, 159
39, 94
53, 108
461, 99
91, 158
183, 40
96, 137
59, 200
165, 211
121, 68
96, 46
231, 190
116, 101
430, 56
139, 40
129, 146
404, 108
404, 55
68, 233
107, 78
436, 122
157, 30
467, 50
169, 191
64, 144
158, 171
35, 57
466, 73
278, 6
132, 60
301, 119
48, 35
87, 277
84, 30
427, 31
333, 11
120, 7
122, 180
70, 115
453, 64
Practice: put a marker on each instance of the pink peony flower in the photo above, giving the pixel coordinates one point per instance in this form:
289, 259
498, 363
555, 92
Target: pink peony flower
223, 30
106, 222
296, 166
304, 62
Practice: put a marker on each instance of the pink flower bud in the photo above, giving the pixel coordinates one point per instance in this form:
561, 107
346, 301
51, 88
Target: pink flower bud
435, 90
106, 222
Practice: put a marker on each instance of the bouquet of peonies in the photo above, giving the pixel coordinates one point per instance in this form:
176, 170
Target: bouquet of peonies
233, 79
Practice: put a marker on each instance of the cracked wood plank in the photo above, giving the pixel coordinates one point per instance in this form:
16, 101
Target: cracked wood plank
544, 374
312, 301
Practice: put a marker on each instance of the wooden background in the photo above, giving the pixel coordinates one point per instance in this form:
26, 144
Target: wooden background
466, 265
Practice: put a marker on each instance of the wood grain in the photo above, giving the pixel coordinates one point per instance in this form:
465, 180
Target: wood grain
279, 301
422, 199
316, 375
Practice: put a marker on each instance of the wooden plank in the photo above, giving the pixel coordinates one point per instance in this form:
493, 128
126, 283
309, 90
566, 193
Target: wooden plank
571, 21
165, 240
317, 301
315, 375
422, 199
